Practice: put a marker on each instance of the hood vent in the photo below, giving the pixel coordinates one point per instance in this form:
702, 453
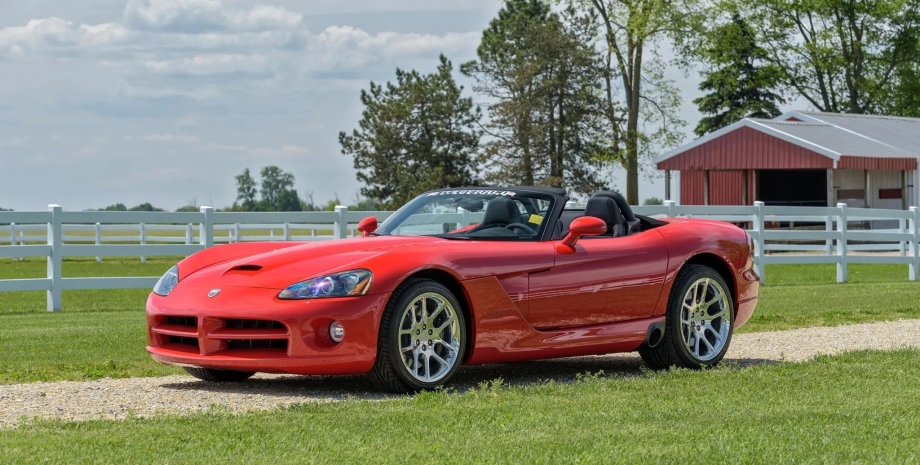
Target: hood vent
244, 268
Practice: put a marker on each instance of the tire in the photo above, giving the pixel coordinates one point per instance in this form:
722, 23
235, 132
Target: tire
402, 342
694, 311
218, 376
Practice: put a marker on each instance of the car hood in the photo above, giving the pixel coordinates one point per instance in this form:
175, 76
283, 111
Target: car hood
279, 268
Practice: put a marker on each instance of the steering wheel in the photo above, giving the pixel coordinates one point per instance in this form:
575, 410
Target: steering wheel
522, 227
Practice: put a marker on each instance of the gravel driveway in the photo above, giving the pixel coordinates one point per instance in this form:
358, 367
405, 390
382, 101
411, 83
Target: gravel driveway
120, 398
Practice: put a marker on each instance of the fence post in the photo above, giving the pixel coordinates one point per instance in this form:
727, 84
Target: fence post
55, 259
915, 244
206, 228
188, 234
98, 239
902, 228
287, 231
759, 253
842, 243
143, 240
670, 205
828, 243
341, 225
236, 232
13, 237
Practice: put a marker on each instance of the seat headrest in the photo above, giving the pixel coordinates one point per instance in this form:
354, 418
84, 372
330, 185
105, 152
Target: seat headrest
502, 210
621, 203
606, 209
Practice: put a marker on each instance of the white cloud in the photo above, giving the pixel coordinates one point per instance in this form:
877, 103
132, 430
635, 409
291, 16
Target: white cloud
55, 33
207, 37
284, 152
192, 16
202, 65
180, 138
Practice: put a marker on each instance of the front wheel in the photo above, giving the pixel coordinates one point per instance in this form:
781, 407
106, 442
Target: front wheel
698, 324
422, 338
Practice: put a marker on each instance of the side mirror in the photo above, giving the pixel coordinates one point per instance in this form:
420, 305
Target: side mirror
584, 226
367, 226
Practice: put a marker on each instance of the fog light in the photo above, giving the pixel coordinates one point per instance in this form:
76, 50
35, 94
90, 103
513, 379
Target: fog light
336, 331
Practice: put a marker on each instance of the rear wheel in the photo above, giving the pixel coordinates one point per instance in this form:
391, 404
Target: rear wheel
698, 324
422, 338
218, 376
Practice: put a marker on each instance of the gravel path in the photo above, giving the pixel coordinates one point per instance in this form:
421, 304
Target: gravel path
120, 398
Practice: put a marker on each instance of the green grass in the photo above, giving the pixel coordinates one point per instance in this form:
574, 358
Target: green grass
797, 296
102, 333
853, 408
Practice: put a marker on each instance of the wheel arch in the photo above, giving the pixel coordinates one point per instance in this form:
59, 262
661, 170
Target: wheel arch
720, 266
454, 285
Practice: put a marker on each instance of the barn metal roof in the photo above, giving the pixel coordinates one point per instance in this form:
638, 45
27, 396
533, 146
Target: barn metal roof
830, 134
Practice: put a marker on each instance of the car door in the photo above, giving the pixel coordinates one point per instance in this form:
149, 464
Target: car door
607, 279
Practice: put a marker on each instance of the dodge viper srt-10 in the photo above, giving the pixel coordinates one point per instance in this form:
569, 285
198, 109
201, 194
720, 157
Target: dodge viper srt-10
460, 276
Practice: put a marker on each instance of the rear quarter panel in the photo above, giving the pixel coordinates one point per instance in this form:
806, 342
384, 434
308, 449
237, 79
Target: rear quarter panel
688, 238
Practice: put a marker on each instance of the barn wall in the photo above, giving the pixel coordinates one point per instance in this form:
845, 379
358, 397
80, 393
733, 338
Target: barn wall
691, 188
746, 148
724, 187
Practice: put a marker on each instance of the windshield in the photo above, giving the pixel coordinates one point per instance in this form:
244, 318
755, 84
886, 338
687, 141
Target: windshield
472, 214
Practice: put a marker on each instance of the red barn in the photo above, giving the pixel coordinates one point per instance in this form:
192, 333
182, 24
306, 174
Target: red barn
801, 158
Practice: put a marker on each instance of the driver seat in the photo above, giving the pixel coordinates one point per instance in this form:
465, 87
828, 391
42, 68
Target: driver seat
501, 211
606, 208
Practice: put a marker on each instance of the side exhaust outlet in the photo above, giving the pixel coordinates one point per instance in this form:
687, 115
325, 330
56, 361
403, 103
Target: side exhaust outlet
655, 335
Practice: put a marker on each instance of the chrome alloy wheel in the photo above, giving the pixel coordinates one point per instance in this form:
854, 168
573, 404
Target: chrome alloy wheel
429, 337
705, 319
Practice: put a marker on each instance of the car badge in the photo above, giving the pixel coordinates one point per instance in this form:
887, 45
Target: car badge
213, 292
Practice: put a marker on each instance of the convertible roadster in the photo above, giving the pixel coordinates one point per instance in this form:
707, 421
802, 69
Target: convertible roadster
460, 276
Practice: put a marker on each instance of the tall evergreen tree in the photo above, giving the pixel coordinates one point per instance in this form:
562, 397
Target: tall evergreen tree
540, 71
740, 85
417, 134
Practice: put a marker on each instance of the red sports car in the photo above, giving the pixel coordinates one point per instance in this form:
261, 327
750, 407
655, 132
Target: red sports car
460, 276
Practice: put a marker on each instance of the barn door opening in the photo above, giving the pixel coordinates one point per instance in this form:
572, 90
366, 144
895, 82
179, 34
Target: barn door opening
803, 188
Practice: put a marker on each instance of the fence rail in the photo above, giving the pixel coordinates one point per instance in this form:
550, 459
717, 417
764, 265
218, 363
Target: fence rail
56, 234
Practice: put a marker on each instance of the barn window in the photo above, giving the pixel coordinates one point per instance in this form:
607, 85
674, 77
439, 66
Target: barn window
889, 194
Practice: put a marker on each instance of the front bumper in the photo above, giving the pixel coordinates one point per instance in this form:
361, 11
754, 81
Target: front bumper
249, 329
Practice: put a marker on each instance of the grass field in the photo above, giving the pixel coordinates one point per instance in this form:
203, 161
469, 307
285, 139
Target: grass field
852, 408
102, 333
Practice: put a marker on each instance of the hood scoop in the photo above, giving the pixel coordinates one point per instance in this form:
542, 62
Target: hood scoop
243, 269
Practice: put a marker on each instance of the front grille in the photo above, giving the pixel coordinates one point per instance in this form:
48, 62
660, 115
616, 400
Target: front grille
253, 324
257, 344
182, 321
190, 341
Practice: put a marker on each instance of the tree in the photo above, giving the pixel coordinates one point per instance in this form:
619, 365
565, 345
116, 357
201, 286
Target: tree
288, 201
540, 70
145, 207
739, 85
645, 118
653, 201
274, 182
414, 135
840, 55
118, 207
246, 190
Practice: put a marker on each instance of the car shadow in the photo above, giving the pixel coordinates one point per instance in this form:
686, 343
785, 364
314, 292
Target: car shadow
345, 387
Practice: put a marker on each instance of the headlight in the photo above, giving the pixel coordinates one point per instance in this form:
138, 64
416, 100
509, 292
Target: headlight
347, 283
167, 282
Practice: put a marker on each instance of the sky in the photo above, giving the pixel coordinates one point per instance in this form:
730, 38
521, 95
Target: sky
165, 101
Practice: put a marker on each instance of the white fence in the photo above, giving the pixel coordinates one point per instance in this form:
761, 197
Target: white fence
55, 234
